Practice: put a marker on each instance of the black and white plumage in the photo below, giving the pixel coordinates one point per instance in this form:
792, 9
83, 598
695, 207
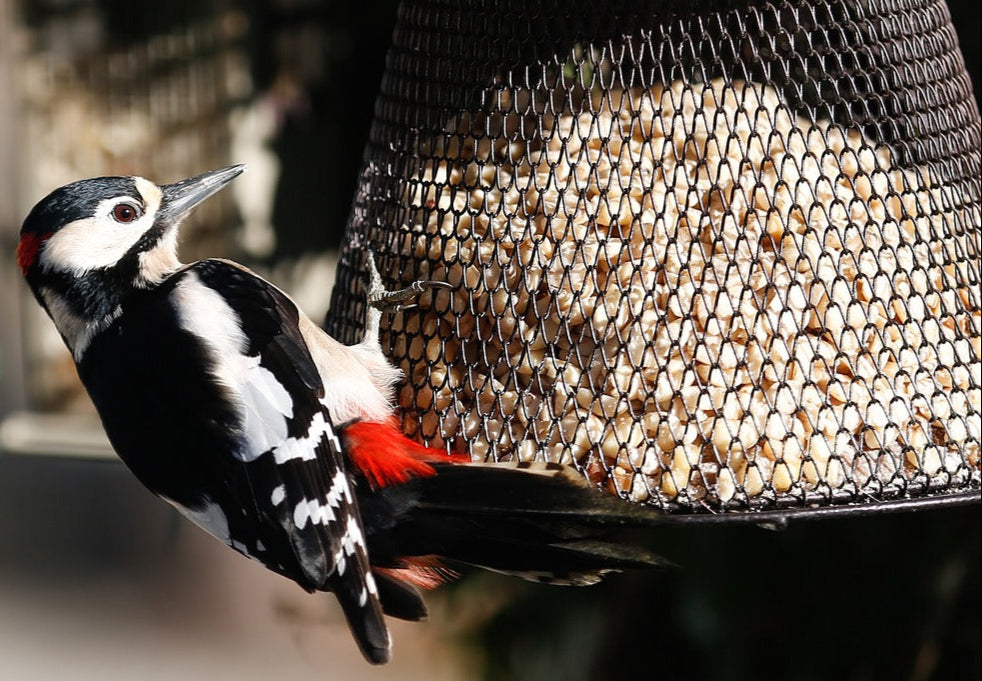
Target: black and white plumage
224, 399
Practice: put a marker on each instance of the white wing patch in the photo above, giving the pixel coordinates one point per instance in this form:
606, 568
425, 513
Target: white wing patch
267, 406
264, 403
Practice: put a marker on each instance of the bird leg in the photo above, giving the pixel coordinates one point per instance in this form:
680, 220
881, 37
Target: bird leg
380, 300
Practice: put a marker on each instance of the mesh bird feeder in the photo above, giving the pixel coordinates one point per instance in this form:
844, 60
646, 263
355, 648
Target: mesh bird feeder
719, 256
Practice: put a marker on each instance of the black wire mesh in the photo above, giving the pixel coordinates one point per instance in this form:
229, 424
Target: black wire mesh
717, 255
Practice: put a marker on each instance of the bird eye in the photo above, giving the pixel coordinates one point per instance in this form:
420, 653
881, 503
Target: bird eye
125, 212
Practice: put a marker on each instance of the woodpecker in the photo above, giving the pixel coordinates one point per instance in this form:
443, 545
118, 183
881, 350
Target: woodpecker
228, 402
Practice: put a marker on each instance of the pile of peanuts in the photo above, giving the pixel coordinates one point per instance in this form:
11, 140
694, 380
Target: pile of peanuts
695, 296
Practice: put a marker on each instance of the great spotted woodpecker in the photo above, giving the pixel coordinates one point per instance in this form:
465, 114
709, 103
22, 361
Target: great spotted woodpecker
225, 400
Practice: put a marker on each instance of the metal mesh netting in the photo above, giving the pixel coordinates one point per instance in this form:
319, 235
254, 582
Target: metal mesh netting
716, 255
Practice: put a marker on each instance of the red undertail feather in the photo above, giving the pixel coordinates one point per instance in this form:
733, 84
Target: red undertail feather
386, 457
426, 572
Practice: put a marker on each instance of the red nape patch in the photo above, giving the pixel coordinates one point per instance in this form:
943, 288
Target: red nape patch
28, 249
387, 457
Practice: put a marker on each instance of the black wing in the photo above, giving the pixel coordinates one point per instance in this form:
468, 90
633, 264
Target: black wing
293, 483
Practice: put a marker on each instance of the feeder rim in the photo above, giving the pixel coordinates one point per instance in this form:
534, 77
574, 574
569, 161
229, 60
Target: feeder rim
781, 517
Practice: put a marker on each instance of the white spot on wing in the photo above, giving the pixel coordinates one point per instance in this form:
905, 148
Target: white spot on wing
339, 490
313, 511
305, 447
278, 495
352, 538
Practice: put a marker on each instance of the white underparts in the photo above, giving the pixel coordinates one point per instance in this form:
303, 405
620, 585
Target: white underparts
358, 379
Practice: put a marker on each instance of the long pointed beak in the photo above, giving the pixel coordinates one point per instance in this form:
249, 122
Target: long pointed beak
179, 198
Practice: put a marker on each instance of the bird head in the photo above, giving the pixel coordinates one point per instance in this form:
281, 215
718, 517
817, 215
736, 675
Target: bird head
108, 223
83, 245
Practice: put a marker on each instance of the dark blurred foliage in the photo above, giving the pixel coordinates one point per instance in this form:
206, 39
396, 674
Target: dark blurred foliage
335, 53
127, 24
892, 598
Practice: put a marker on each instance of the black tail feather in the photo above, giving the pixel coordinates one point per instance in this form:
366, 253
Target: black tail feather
400, 599
541, 521
365, 621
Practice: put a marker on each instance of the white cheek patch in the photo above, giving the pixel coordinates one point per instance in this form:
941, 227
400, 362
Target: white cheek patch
95, 242
265, 405
99, 241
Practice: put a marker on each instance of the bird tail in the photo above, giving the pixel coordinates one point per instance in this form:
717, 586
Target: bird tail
541, 521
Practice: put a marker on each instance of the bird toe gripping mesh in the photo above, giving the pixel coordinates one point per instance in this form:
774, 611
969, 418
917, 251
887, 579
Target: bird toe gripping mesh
717, 255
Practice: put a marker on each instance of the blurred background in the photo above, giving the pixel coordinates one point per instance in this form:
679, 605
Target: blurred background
98, 580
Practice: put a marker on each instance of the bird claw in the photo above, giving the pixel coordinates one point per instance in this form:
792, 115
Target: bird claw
381, 299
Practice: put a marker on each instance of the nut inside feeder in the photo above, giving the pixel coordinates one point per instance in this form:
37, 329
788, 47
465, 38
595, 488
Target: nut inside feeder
717, 259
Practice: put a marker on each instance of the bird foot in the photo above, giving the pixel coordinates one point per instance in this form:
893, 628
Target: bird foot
381, 299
